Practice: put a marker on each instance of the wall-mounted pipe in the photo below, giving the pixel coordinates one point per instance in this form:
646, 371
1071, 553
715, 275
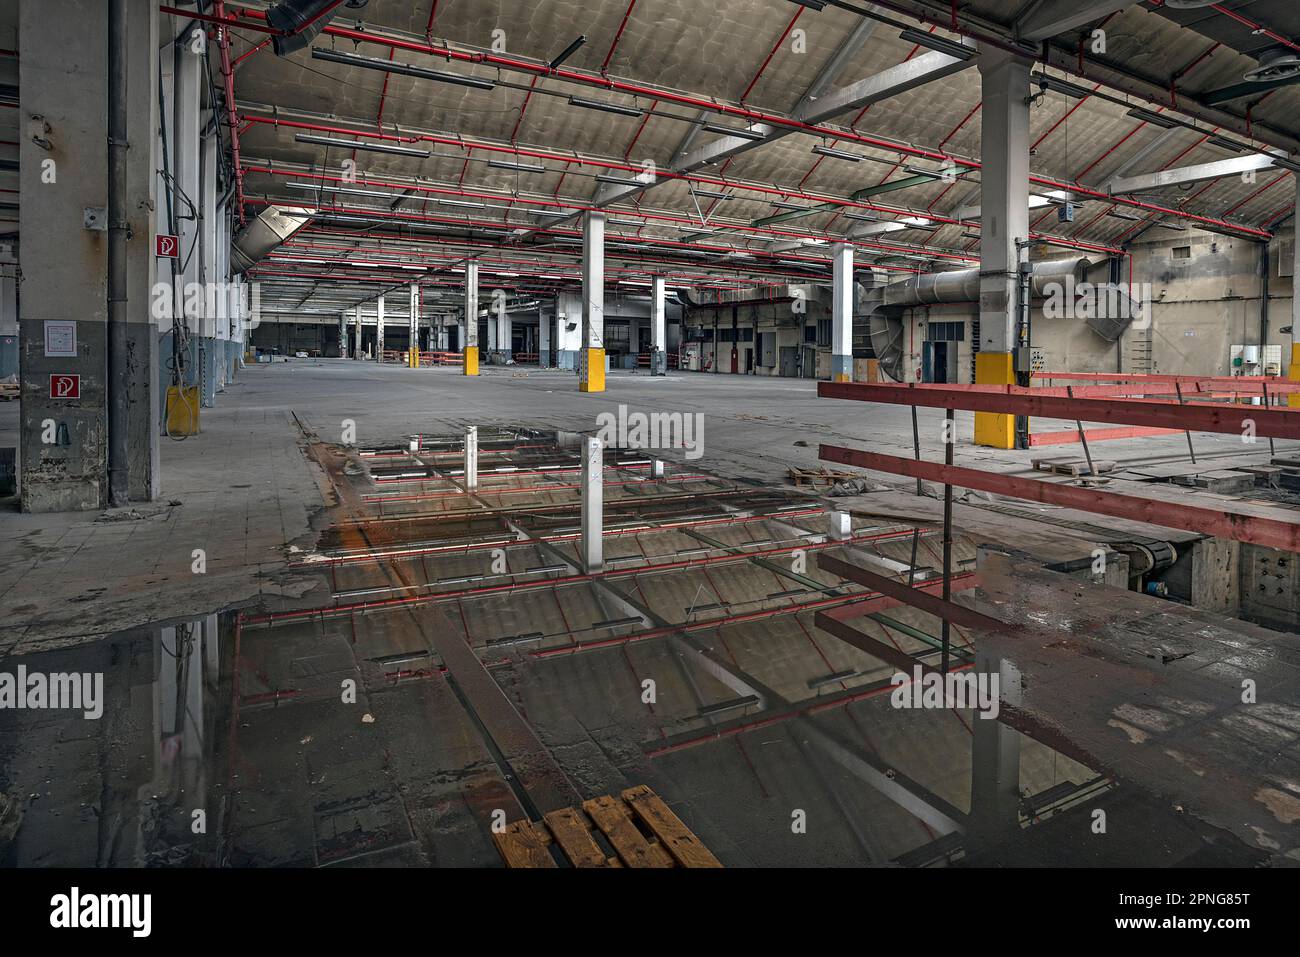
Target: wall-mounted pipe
118, 370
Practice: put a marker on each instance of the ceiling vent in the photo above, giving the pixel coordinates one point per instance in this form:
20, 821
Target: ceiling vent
1275, 65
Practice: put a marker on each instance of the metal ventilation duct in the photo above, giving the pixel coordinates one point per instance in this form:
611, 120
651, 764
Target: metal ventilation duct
963, 285
264, 234
300, 21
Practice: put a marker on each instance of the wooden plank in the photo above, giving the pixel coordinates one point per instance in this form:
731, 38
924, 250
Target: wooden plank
613, 818
573, 834
523, 845
682, 844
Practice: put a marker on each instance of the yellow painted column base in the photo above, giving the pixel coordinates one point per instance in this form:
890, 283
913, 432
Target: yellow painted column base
1293, 373
471, 360
593, 371
841, 377
994, 429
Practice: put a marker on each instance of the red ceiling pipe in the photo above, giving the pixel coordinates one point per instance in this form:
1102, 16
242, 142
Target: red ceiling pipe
633, 89
228, 74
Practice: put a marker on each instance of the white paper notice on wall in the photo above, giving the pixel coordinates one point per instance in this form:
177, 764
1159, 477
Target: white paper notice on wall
60, 338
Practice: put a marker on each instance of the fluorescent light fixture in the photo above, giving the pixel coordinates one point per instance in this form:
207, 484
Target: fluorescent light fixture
1175, 227
712, 194
461, 202
1155, 119
950, 47
360, 145
404, 69
779, 204
1061, 86
350, 190
862, 217
729, 131
817, 5
519, 167
1223, 143
838, 154
618, 180
605, 107
1121, 214
1281, 162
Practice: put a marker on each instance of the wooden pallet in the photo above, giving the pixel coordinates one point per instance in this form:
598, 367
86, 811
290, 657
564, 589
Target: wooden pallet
820, 478
637, 825
1072, 467
8, 391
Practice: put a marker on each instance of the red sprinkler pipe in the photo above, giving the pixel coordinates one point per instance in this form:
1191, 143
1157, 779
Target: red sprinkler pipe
228, 74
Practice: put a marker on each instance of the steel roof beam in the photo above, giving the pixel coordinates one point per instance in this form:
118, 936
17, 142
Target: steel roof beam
1191, 174
1052, 17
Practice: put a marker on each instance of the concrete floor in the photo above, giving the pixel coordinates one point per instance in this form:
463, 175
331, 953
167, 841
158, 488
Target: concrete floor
243, 492
291, 778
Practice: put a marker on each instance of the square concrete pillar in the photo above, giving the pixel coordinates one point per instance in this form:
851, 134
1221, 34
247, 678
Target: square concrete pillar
658, 326
66, 390
379, 330
413, 334
591, 358
844, 298
1004, 222
470, 347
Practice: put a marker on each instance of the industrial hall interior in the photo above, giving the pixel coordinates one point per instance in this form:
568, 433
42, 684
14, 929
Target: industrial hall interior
552, 434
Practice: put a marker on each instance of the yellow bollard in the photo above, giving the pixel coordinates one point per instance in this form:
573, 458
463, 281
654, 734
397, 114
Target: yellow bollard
471, 360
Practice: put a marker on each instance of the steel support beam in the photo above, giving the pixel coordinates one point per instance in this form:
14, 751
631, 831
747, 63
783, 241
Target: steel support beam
1050, 18
1236, 166
1238, 526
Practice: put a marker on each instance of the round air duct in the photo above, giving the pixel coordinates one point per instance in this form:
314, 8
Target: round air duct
1189, 4
1275, 65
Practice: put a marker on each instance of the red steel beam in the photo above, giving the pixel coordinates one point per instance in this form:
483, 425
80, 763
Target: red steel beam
1237, 526
1071, 436
908, 594
1015, 400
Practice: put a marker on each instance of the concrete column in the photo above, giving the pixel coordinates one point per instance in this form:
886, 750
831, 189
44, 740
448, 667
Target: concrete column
842, 314
656, 468
471, 457
658, 326
593, 489
343, 335
62, 79
1004, 221
413, 314
841, 526
544, 324
503, 325
379, 330
1293, 372
442, 333
356, 333
568, 330
470, 348
591, 360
